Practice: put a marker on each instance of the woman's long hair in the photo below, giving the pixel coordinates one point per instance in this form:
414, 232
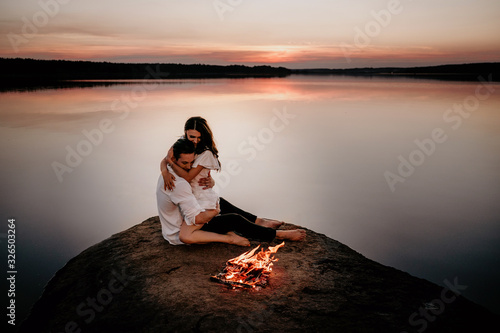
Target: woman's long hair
207, 138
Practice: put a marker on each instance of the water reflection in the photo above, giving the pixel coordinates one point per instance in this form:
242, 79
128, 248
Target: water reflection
309, 150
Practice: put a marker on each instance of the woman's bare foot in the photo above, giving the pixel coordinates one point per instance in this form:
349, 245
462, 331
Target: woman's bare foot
269, 223
237, 240
293, 235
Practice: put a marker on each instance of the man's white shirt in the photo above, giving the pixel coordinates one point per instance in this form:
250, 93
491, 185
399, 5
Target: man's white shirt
176, 206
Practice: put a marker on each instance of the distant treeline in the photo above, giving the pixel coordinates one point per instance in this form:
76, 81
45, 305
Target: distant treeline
443, 72
56, 70
30, 73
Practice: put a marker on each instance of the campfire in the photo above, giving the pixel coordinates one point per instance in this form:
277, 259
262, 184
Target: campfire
249, 270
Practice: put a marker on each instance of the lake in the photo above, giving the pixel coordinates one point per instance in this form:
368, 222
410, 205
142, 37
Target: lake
404, 171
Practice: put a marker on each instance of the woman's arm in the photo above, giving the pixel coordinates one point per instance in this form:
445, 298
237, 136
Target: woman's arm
168, 178
187, 175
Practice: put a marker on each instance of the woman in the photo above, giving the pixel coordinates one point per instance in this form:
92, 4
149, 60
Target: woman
197, 131
231, 218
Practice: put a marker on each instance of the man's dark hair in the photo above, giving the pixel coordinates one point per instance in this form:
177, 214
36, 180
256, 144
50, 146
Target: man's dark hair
182, 146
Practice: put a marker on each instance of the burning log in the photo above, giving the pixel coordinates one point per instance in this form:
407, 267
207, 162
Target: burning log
249, 270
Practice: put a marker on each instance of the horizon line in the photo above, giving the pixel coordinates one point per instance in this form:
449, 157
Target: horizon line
235, 64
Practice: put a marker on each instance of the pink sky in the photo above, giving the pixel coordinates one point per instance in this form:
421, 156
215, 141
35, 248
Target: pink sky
294, 34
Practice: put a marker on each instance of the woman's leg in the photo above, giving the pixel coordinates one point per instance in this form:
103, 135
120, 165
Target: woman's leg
192, 234
227, 208
234, 222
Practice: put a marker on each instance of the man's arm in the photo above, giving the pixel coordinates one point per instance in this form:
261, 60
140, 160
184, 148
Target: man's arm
207, 215
207, 182
190, 210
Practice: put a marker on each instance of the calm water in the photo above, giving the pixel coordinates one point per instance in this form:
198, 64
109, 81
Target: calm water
383, 165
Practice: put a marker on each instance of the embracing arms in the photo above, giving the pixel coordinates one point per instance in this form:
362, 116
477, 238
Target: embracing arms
169, 178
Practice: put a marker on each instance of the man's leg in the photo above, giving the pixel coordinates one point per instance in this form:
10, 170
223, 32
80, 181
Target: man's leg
191, 234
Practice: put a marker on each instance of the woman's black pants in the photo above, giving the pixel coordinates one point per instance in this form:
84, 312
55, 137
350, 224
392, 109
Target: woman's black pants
232, 218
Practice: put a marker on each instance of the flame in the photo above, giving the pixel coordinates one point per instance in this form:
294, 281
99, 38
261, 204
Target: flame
249, 269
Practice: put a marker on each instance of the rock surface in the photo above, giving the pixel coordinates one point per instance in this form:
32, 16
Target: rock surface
135, 281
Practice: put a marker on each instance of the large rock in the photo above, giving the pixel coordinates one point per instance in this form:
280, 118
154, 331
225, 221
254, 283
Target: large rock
135, 281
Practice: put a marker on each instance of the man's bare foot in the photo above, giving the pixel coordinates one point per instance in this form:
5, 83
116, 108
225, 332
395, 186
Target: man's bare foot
237, 240
269, 223
293, 235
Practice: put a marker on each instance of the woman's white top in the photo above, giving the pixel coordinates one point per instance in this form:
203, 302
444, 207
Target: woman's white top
208, 198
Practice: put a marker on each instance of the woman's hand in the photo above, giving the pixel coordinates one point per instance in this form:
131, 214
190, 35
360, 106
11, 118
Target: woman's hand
207, 182
168, 180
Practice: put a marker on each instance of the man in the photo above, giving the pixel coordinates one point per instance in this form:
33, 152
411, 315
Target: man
184, 221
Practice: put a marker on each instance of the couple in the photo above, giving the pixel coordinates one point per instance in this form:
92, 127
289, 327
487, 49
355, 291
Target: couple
190, 210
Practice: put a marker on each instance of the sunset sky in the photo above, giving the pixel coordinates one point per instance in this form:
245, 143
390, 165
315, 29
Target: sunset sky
290, 33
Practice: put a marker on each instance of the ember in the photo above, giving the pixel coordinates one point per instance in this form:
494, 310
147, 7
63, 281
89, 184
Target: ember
249, 270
